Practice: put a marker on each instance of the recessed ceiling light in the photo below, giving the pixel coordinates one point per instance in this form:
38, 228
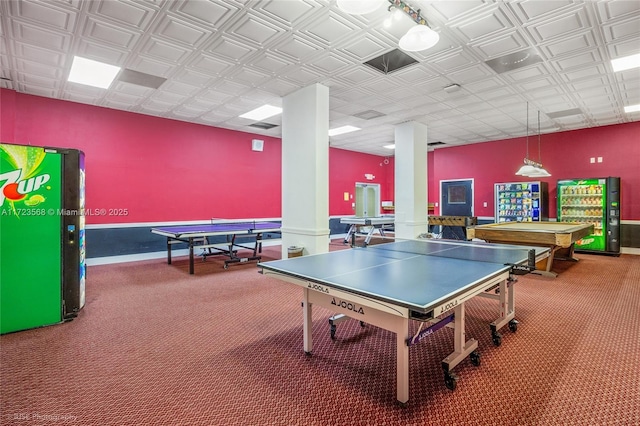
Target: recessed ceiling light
632, 108
391, 146
342, 130
262, 112
92, 73
626, 63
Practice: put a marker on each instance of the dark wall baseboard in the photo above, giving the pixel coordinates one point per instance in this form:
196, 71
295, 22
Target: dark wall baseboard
105, 242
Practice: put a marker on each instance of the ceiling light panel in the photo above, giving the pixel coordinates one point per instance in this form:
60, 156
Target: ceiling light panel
262, 112
342, 130
92, 73
626, 63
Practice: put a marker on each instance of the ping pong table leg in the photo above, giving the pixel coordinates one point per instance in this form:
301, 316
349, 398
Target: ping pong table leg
369, 235
548, 262
191, 256
307, 309
352, 231
402, 360
507, 311
461, 348
168, 251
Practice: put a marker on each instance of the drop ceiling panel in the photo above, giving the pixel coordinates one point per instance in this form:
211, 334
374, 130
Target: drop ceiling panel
482, 26
288, 12
103, 32
39, 36
365, 48
622, 30
560, 26
452, 10
46, 14
587, 59
180, 32
101, 52
131, 14
254, 31
164, 50
33, 53
608, 10
222, 57
499, 46
577, 43
331, 29
529, 10
211, 14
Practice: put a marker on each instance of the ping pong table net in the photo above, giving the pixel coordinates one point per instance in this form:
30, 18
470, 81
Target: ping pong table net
463, 250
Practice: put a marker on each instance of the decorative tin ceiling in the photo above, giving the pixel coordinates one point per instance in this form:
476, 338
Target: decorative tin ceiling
223, 58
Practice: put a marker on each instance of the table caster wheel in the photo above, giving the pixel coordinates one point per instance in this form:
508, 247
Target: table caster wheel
307, 353
497, 339
450, 381
361, 323
513, 325
475, 358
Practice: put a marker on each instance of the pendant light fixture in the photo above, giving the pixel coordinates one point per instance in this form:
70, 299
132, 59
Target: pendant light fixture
527, 167
530, 167
540, 171
419, 37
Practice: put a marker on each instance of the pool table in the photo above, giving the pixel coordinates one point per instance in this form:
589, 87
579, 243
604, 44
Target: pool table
559, 236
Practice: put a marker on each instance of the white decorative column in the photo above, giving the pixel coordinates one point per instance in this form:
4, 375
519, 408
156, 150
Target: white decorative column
410, 198
305, 170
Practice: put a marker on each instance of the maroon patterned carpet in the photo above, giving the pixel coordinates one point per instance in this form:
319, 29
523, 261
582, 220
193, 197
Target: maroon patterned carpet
156, 346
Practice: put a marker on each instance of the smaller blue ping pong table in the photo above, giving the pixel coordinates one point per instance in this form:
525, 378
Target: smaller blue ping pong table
198, 236
388, 285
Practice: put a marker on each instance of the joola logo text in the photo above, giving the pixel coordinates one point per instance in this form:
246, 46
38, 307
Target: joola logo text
348, 305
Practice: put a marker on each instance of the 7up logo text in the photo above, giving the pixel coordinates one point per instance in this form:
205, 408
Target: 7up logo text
14, 189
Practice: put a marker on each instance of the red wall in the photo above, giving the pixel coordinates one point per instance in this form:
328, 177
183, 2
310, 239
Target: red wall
566, 155
345, 169
164, 170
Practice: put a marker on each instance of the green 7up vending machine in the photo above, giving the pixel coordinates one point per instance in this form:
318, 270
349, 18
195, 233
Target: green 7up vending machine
42, 244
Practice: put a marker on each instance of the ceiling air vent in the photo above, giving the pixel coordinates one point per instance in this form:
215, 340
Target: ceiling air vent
565, 113
140, 78
368, 115
263, 125
513, 61
391, 61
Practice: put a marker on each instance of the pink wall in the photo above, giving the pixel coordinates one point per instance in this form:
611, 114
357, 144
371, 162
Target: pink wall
167, 170
345, 169
566, 155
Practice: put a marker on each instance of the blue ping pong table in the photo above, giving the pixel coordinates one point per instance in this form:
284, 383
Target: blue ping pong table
198, 236
388, 285
371, 224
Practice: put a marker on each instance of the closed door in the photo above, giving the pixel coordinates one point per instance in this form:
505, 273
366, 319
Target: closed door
456, 200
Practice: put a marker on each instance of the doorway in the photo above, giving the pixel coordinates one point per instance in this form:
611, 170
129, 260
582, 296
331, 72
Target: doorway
456, 199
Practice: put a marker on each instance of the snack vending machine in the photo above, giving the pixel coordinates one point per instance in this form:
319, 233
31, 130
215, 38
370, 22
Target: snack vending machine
521, 202
595, 201
42, 243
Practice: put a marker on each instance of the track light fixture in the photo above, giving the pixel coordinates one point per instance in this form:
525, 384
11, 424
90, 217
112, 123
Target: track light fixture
419, 37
